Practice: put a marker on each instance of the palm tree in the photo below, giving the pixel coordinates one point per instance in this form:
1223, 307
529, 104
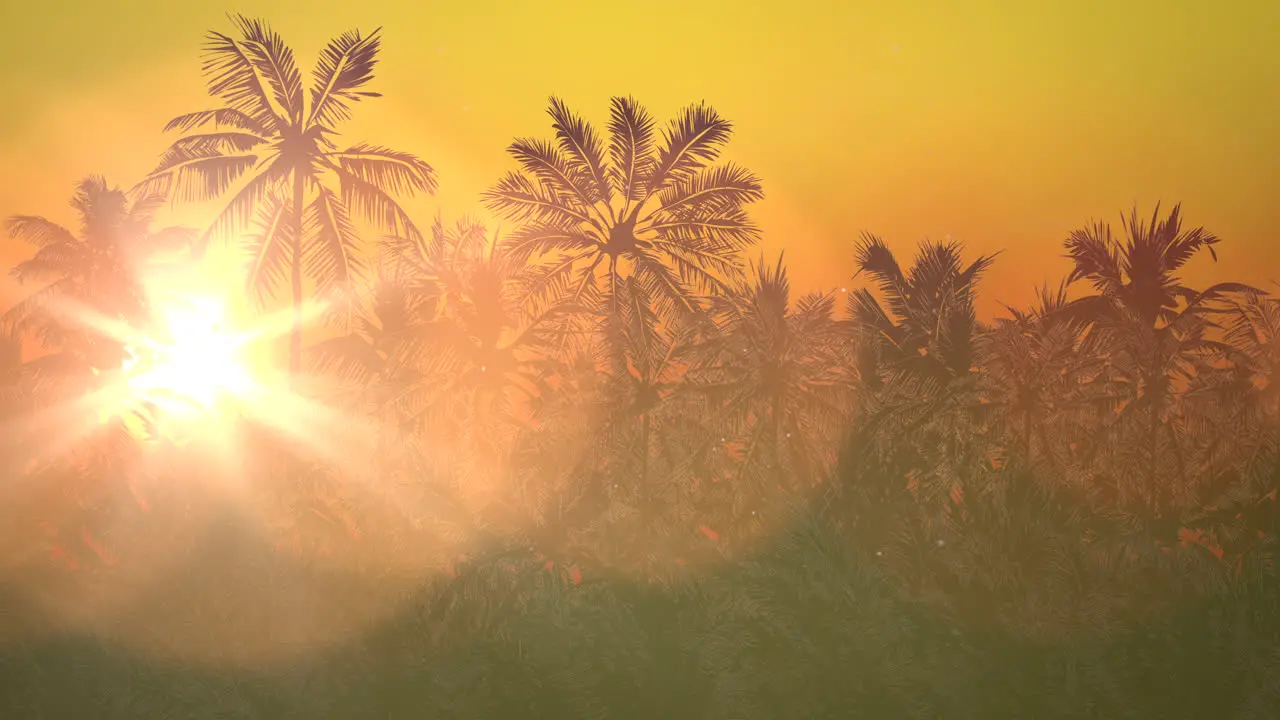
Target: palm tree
268, 130
450, 346
655, 211
930, 327
13, 400
1039, 369
1155, 330
97, 269
919, 423
1233, 408
923, 348
643, 422
771, 372
493, 341
381, 361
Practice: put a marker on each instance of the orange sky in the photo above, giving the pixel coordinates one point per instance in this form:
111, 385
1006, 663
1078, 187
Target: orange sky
1002, 124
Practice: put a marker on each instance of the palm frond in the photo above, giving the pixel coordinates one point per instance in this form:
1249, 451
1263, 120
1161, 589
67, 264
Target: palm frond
232, 76
631, 146
196, 176
331, 254
269, 250
274, 63
715, 189
373, 203
399, 173
579, 140
671, 297
39, 231
18, 317
213, 144
51, 261
219, 118
875, 258
1096, 256
1184, 246
727, 230
345, 66
693, 139
535, 239
516, 197
550, 284
239, 210
568, 183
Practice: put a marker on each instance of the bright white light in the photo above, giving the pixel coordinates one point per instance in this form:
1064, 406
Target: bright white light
196, 358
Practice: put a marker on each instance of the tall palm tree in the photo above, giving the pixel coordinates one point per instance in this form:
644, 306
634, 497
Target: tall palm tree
1155, 329
450, 348
919, 411
1234, 408
305, 191
921, 381
643, 422
381, 361
488, 338
1039, 369
771, 370
494, 339
97, 269
654, 210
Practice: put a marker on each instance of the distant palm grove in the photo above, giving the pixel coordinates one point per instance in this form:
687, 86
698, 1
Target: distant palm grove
640, 474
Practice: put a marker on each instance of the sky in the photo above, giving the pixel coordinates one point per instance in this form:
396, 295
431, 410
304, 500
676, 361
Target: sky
1004, 125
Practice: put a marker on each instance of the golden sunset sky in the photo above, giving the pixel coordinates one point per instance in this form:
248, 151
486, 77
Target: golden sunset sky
1001, 124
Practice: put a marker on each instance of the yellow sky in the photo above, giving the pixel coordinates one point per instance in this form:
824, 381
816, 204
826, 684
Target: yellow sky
1002, 124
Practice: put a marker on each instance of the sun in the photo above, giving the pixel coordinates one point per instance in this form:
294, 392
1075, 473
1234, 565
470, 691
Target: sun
204, 363
191, 363
195, 358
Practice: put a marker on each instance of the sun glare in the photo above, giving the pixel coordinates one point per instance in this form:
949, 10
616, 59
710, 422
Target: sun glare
196, 360
203, 364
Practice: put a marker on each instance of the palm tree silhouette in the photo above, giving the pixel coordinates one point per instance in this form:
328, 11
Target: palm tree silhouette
772, 372
490, 346
919, 405
1155, 328
97, 269
1252, 328
656, 211
268, 130
1039, 367
1233, 409
930, 326
642, 375
925, 344
381, 360
494, 338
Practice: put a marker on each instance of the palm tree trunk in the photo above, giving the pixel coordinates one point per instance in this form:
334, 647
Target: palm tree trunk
1153, 441
775, 419
644, 449
1026, 435
295, 269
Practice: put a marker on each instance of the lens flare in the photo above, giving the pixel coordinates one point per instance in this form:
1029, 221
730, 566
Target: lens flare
197, 361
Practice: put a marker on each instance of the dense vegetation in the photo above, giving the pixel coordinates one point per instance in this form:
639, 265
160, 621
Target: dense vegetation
648, 478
